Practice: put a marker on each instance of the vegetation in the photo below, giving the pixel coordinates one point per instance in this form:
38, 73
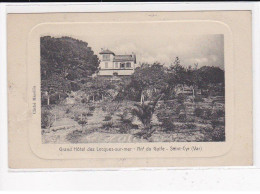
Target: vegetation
47, 119
130, 105
65, 64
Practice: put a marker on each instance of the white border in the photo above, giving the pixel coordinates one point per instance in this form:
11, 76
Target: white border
155, 178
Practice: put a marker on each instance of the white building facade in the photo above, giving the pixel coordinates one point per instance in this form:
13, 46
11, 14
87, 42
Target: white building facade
116, 65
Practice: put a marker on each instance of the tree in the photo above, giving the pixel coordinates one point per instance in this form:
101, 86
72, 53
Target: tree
144, 112
64, 62
177, 73
148, 81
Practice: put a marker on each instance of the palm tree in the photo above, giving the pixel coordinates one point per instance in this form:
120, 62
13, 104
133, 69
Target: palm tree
144, 112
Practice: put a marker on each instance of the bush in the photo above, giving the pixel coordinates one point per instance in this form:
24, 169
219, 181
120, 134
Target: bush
190, 126
84, 114
89, 114
179, 109
218, 134
126, 127
125, 123
68, 110
168, 125
182, 117
215, 123
83, 122
74, 136
107, 125
198, 112
190, 119
208, 129
220, 113
47, 119
92, 108
207, 114
107, 118
181, 98
84, 100
198, 99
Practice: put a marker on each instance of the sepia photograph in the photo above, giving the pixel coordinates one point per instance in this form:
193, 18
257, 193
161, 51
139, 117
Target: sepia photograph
132, 89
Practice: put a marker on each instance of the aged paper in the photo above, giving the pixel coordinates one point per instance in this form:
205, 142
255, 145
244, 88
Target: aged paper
144, 89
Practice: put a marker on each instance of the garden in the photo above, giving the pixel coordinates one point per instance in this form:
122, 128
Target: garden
157, 103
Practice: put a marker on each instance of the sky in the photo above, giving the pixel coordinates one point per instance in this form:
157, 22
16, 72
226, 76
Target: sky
156, 42
205, 50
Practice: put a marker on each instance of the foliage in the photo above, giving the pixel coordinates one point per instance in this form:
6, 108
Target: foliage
168, 125
198, 112
147, 82
107, 118
198, 99
220, 113
107, 125
181, 98
190, 126
125, 123
47, 119
81, 119
197, 78
64, 62
218, 134
74, 136
144, 112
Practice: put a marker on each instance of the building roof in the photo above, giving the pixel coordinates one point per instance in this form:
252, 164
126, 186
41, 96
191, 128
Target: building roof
123, 58
106, 51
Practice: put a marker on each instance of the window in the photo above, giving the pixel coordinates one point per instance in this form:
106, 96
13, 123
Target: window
116, 64
106, 57
106, 65
128, 65
122, 65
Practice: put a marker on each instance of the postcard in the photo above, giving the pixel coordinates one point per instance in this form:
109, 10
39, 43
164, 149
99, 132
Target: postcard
130, 89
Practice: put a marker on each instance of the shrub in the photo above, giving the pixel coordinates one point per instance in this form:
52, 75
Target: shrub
144, 113
220, 113
215, 123
217, 114
181, 98
107, 118
47, 119
190, 119
89, 114
179, 109
84, 100
190, 126
198, 112
68, 110
107, 125
82, 122
198, 99
168, 125
92, 108
207, 129
218, 134
126, 127
74, 136
163, 114
182, 117
125, 123
84, 114
207, 114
